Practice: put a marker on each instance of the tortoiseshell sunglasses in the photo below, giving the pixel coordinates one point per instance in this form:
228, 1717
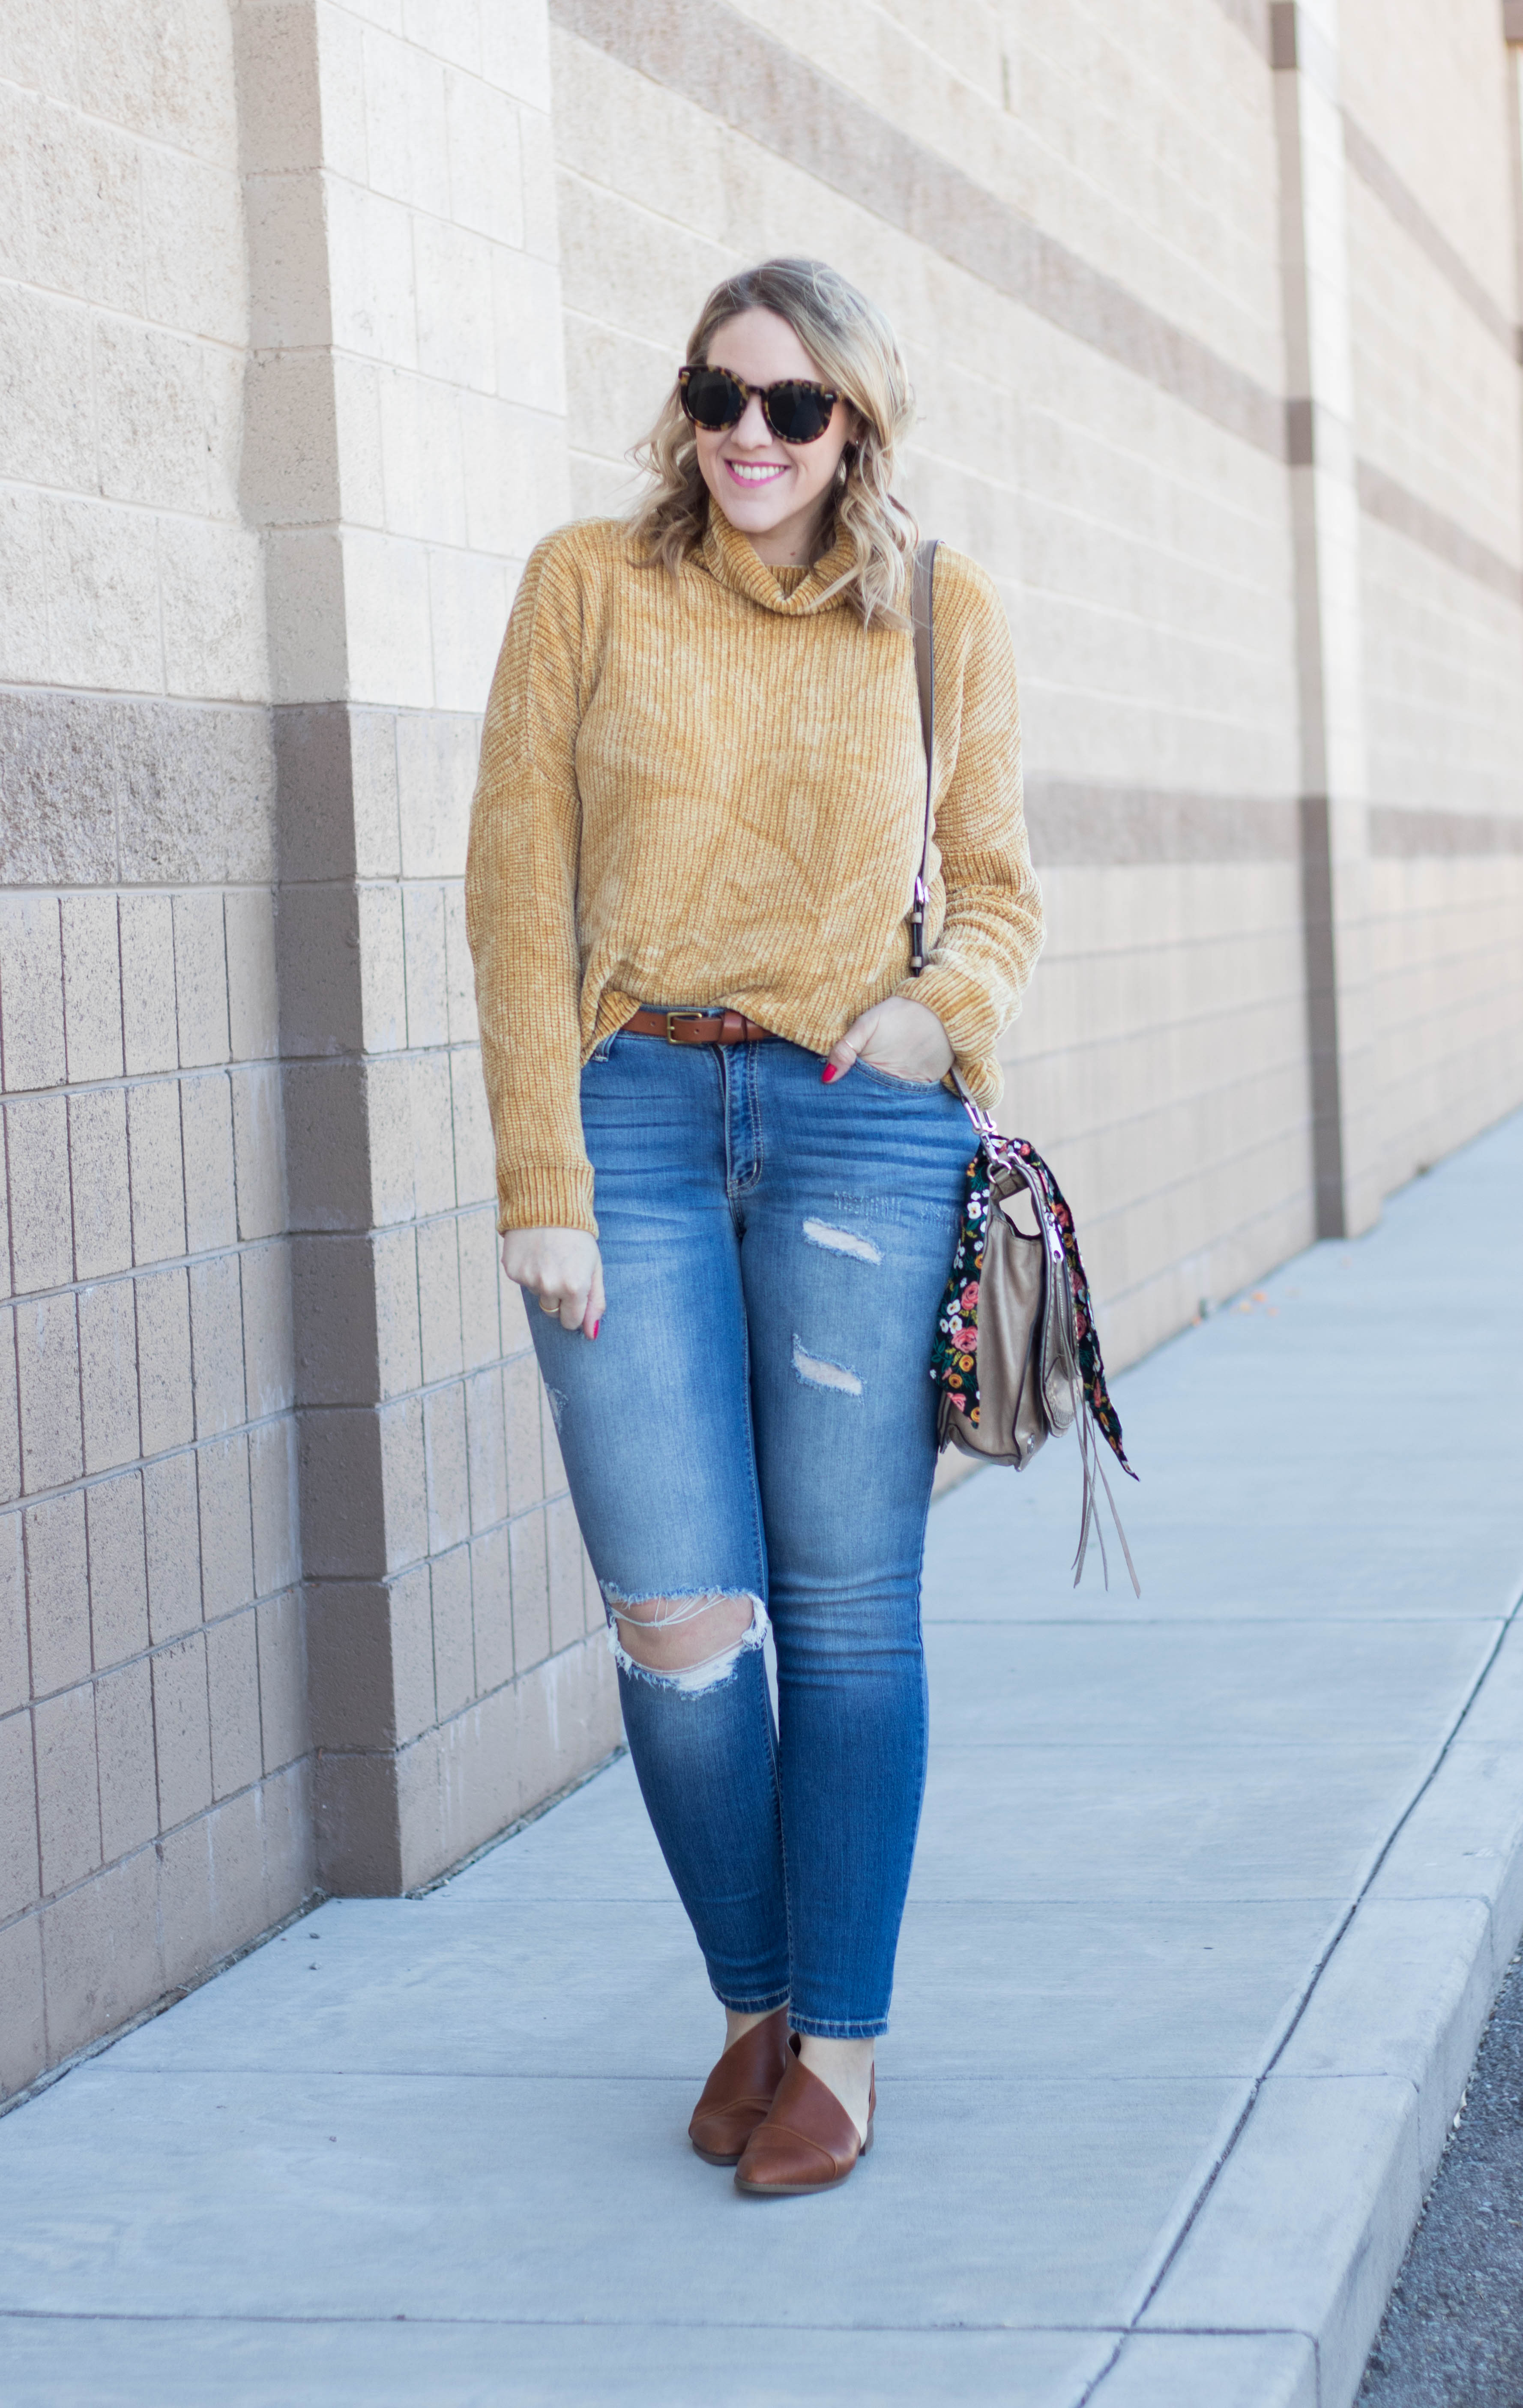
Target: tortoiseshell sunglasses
797, 412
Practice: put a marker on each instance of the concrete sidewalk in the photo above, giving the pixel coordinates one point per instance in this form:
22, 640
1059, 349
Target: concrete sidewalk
1213, 1894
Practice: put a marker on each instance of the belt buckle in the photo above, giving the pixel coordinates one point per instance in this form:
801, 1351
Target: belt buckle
671, 1038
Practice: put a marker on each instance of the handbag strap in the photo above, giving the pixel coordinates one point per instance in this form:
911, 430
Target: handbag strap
922, 608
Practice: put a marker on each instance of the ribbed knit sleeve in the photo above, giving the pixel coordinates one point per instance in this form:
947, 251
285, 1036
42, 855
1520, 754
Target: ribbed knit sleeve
982, 961
520, 902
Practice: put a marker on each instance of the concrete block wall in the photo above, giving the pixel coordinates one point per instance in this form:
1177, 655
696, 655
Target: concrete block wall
153, 1720
406, 413
1433, 244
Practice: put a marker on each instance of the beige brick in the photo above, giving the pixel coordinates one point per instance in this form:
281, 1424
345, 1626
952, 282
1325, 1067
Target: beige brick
492, 1612
227, 1526
525, 1458
286, 1808
283, 1680
172, 1538
530, 1580
433, 1134
48, 438
118, 1570
92, 986
39, 49
484, 165
399, 1345
25, 649
69, 1797
454, 1664
57, 1592
103, 593
206, 1122
481, 1339
515, 50
37, 1169
404, 1484
405, 144
15, 1663
259, 1151
370, 248
551, 1445
564, 1551
436, 756
48, 1379
20, 1872
444, 1452
149, 1035
108, 1374
460, 976
158, 1171
150, 406
427, 984
166, 1395
438, 1298
100, 1954
388, 1102
129, 1799
199, 285
233, 1686
268, 1338
254, 1004
31, 992
200, 978
468, 597
217, 1344
391, 642
382, 969
212, 596
272, 1481
182, 1729
474, 1159
486, 1439
23, 2037
6, 1283
422, 460
83, 184
102, 1196
10, 1433
239, 1910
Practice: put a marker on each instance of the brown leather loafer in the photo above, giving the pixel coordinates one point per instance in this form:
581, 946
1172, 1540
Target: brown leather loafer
739, 2091
806, 2141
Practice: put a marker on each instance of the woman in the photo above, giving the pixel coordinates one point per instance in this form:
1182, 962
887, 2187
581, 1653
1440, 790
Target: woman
720, 1103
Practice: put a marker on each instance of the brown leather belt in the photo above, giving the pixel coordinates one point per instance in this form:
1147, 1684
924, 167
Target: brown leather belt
697, 1027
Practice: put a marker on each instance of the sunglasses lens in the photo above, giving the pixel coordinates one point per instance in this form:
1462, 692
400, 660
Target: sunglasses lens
797, 413
713, 399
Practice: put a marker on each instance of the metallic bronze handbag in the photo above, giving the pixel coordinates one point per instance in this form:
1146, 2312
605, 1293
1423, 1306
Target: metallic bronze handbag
1016, 1357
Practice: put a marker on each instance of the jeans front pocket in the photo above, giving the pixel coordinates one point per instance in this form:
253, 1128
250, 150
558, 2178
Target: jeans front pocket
895, 1084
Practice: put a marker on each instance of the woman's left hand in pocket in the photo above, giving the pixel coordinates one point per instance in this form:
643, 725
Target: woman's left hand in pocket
899, 1036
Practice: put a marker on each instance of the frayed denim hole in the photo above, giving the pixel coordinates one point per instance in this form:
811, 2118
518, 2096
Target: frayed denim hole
688, 1680
816, 1373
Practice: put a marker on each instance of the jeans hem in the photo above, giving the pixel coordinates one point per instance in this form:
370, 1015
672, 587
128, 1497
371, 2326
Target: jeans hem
767, 2006
816, 2028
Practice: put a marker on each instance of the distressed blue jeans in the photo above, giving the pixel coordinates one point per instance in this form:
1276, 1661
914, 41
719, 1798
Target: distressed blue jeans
756, 1418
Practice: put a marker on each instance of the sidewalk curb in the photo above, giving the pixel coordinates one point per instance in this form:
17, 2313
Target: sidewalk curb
1306, 2224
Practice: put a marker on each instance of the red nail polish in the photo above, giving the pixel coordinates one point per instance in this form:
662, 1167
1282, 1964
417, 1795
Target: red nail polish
596, 1327
828, 1072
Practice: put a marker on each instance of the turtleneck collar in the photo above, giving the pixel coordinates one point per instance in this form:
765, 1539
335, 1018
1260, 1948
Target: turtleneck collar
732, 561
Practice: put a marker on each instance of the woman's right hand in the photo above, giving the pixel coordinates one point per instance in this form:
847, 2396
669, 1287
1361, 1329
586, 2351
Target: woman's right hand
564, 1268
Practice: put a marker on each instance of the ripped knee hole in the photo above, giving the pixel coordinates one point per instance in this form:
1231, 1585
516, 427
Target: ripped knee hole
678, 1638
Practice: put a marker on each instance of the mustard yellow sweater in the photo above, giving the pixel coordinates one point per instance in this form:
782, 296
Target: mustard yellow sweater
710, 790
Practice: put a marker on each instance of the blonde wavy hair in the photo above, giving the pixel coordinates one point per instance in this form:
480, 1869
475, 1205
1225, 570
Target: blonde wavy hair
854, 349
